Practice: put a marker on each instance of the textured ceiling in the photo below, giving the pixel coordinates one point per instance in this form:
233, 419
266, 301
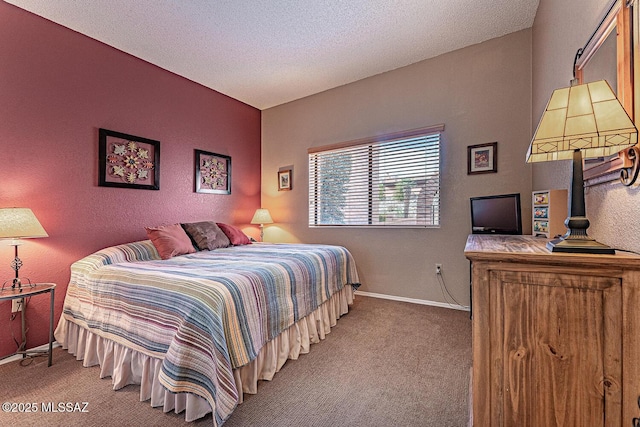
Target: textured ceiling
268, 52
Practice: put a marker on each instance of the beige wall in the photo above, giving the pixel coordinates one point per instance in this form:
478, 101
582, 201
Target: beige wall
481, 93
560, 28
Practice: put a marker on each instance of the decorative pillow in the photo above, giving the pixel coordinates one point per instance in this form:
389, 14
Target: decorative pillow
234, 234
170, 240
206, 235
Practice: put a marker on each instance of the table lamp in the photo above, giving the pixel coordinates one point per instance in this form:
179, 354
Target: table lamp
16, 224
262, 216
585, 120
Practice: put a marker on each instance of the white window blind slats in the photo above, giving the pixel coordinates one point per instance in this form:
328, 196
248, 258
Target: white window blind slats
392, 183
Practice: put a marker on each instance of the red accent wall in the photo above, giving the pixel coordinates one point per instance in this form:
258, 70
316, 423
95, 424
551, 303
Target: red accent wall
57, 88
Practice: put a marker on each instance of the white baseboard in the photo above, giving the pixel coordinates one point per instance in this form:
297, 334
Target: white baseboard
413, 300
43, 347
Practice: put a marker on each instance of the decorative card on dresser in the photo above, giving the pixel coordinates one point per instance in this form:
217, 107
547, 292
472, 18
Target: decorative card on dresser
556, 337
549, 213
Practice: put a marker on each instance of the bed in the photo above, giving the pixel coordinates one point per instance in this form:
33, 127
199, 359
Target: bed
198, 330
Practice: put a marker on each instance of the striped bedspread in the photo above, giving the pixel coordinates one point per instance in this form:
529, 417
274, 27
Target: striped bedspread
206, 313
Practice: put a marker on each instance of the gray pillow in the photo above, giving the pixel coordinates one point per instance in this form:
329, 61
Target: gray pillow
206, 235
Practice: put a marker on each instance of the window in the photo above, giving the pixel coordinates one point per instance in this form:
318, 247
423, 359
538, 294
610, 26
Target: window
389, 181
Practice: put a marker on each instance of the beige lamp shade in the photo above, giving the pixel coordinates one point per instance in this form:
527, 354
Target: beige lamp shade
586, 117
19, 223
262, 216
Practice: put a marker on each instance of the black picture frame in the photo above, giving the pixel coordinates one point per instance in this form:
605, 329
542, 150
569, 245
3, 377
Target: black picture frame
212, 173
128, 161
482, 158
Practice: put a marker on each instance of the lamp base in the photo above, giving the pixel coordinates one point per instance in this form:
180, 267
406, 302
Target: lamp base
17, 284
580, 246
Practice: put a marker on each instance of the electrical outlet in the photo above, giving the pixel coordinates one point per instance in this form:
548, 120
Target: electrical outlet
16, 305
438, 268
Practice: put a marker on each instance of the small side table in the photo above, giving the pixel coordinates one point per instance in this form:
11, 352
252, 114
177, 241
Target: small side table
30, 290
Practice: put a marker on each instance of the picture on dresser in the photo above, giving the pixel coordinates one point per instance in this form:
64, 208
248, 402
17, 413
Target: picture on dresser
541, 226
549, 211
541, 198
541, 212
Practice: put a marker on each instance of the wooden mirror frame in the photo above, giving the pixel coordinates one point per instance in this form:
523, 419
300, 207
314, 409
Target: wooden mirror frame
623, 17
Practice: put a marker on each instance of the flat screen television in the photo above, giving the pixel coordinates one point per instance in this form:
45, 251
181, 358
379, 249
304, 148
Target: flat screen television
496, 214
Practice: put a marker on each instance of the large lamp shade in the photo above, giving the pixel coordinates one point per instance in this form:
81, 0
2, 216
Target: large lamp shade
20, 223
587, 121
585, 117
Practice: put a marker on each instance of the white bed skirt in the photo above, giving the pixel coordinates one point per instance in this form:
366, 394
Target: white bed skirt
126, 366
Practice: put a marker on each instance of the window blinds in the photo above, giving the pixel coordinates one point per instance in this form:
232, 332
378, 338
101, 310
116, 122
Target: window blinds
391, 181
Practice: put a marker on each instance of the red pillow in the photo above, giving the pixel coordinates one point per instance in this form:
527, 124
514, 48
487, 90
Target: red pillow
170, 240
235, 235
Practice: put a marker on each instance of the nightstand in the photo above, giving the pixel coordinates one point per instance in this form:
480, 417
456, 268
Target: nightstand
31, 290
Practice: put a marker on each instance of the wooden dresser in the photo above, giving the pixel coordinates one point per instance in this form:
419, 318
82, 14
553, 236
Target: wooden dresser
556, 337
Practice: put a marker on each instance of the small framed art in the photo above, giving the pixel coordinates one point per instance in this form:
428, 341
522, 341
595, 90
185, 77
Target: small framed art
541, 198
213, 173
284, 180
128, 161
482, 158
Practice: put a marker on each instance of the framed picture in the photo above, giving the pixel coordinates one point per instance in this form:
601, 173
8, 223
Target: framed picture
128, 161
541, 198
284, 180
213, 173
541, 226
541, 212
482, 158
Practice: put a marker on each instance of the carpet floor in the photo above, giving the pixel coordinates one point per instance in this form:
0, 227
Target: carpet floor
386, 363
